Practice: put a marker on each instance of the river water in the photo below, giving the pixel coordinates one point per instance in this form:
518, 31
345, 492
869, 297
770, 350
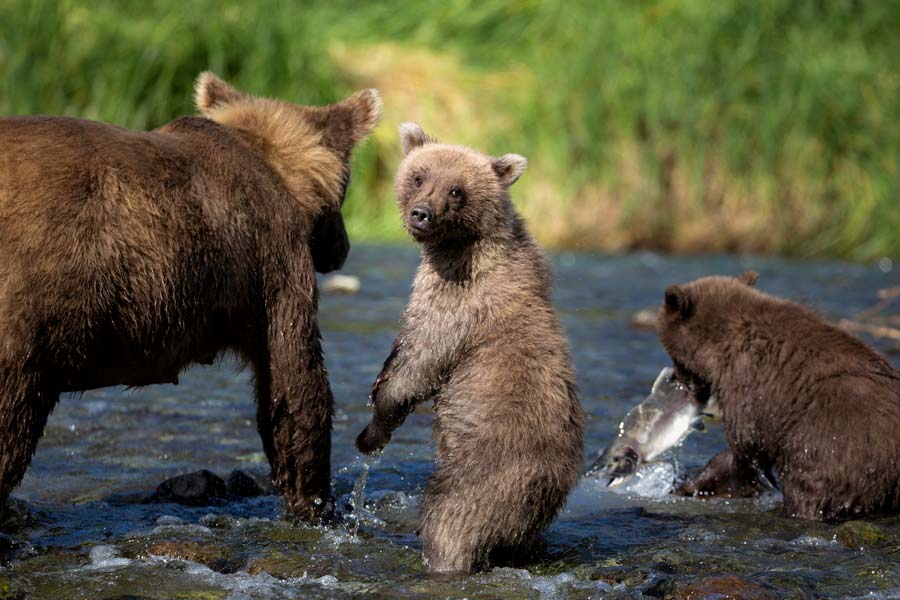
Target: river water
105, 449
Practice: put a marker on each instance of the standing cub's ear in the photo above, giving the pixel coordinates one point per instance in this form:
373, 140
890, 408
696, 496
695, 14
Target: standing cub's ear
412, 136
210, 93
748, 278
508, 168
365, 112
678, 302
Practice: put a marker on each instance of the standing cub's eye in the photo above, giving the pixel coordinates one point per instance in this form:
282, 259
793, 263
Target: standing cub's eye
456, 192
418, 180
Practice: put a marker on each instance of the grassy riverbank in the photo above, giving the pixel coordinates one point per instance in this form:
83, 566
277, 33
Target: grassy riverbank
676, 125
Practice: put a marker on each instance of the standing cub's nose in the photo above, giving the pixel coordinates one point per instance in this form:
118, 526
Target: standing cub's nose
420, 216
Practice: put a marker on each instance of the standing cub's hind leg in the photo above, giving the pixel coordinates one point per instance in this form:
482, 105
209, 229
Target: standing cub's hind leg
470, 518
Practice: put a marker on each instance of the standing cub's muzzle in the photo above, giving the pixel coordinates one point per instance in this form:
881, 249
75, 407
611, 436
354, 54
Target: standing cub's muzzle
420, 217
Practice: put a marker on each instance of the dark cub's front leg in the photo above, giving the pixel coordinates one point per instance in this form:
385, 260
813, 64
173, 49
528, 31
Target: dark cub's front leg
725, 477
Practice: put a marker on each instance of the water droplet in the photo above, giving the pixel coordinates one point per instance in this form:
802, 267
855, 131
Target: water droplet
885, 264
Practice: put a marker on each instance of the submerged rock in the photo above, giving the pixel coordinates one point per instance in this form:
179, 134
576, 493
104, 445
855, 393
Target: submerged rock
12, 548
8, 548
724, 587
211, 555
242, 485
619, 575
279, 567
8, 590
859, 534
199, 488
340, 284
15, 515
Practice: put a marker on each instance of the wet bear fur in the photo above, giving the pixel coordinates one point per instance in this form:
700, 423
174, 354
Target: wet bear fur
803, 402
480, 338
126, 256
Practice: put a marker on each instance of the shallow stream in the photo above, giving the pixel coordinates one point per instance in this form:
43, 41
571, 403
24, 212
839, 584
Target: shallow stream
105, 449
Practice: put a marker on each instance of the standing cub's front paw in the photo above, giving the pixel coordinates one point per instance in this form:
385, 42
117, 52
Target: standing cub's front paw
371, 439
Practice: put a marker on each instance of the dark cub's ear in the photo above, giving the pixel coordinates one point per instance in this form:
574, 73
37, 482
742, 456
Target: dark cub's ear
678, 301
210, 92
412, 136
748, 278
508, 168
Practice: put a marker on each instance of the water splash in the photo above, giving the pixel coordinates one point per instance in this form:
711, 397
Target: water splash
359, 514
652, 480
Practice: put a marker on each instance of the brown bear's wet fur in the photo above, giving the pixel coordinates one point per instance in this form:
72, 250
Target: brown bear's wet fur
799, 397
481, 339
126, 256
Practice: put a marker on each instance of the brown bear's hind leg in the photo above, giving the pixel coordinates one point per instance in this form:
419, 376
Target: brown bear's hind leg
24, 408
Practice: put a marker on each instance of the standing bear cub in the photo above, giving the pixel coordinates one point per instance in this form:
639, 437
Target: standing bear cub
803, 402
481, 339
125, 256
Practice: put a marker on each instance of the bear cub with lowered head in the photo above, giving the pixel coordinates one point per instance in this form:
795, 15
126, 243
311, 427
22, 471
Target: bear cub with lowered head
803, 402
481, 339
125, 256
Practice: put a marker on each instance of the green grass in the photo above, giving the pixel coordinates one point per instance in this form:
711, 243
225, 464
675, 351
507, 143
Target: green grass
761, 126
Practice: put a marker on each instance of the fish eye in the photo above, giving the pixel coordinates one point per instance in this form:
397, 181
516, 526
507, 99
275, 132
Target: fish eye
456, 192
418, 180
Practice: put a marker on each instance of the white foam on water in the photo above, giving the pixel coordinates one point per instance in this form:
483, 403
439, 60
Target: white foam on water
189, 528
893, 594
169, 520
699, 535
652, 480
811, 541
332, 539
106, 557
168, 524
553, 587
243, 586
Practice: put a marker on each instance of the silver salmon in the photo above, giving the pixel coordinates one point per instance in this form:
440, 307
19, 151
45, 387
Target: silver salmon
663, 420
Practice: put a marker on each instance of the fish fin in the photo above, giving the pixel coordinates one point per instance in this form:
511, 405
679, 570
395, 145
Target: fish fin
664, 377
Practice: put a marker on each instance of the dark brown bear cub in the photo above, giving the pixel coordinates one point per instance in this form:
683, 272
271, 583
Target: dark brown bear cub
481, 339
801, 399
127, 255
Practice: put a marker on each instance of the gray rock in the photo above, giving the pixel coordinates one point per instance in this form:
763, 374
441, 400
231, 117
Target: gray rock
340, 284
242, 485
200, 488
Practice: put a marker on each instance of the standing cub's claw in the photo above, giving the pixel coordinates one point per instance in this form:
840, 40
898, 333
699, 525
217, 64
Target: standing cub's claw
371, 439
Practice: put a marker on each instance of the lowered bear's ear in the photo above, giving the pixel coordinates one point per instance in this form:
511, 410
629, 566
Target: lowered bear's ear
678, 301
412, 136
748, 278
508, 168
364, 109
210, 92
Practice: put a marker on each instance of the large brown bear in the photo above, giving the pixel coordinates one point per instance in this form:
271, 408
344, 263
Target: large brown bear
126, 256
803, 402
481, 339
